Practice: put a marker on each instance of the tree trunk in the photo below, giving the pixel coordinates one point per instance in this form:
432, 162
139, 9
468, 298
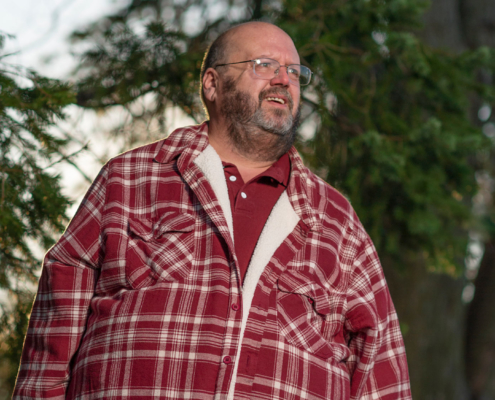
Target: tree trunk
478, 22
480, 329
443, 26
431, 315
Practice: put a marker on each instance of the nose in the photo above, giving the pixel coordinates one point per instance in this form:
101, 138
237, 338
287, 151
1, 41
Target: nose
281, 77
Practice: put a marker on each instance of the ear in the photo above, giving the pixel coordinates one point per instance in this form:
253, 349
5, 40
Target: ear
210, 84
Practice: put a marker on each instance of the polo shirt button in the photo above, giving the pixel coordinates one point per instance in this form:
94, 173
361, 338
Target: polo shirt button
233, 178
235, 306
227, 359
243, 195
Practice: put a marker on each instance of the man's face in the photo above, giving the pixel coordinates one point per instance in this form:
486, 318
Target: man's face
261, 132
258, 109
255, 113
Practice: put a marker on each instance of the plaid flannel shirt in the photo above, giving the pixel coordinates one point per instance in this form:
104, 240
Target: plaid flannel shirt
141, 296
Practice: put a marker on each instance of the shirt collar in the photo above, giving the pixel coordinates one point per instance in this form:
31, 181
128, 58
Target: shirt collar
190, 141
279, 170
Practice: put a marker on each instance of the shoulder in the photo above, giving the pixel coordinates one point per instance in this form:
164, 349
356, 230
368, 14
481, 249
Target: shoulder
189, 139
333, 207
139, 155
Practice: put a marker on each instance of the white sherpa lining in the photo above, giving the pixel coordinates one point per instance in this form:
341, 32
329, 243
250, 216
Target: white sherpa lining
210, 164
281, 222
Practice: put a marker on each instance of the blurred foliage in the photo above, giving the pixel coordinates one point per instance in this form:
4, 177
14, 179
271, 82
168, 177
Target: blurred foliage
32, 207
131, 66
14, 321
387, 116
399, 142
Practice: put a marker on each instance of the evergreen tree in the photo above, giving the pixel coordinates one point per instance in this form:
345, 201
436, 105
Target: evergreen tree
32, 207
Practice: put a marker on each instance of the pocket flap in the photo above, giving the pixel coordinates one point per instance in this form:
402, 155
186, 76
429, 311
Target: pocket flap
142, 228
168, 222
305, 284
174, 222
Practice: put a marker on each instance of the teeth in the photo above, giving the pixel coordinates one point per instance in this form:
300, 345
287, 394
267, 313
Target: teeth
276, 99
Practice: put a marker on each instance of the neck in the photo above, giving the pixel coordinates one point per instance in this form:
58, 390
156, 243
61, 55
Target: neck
248, 168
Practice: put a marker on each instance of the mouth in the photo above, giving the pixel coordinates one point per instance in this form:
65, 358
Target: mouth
277, 100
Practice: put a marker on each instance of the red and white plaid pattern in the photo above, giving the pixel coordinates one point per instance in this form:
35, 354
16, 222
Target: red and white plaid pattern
141, 298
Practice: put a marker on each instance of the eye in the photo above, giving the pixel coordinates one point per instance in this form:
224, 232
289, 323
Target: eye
293, 72
265, 64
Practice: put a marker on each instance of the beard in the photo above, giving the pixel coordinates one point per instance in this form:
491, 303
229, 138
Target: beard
256, 133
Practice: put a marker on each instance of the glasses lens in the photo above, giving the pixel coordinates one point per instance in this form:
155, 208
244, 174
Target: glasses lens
294, 72
265, 68
304, 75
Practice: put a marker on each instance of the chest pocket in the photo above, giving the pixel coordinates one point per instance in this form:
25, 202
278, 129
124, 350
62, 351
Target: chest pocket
303, 310
160, 251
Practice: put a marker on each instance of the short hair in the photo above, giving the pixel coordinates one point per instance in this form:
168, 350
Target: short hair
215, 53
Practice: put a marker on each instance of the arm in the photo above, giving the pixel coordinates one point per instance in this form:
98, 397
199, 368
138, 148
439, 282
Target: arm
378, 362
61, 308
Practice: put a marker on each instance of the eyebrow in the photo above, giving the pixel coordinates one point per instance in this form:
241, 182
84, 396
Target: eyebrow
271, 58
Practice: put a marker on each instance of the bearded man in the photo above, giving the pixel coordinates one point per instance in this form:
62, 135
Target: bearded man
214, 265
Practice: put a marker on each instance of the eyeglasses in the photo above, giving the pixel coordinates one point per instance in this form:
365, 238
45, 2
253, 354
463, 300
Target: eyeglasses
266, 68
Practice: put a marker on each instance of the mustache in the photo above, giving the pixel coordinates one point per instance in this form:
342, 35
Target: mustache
274, 91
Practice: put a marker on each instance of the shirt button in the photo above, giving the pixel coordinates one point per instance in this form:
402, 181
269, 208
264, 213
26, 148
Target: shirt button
227, 359
243, 195
232, 178
310, 300
235, 306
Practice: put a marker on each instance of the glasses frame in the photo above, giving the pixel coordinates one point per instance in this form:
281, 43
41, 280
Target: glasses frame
256, 61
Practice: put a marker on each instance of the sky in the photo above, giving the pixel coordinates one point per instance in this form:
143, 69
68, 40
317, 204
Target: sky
41, 29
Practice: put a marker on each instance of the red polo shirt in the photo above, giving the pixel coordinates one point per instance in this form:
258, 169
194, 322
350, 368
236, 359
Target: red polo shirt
251, 204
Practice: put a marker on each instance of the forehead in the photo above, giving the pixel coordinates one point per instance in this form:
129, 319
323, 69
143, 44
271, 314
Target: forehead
262, 40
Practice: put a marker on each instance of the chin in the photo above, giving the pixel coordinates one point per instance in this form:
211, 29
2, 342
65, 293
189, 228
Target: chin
278, 123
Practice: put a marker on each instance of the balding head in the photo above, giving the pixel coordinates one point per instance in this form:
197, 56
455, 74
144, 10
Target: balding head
230, 43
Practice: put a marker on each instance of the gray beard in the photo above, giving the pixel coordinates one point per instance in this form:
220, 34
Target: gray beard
254, 133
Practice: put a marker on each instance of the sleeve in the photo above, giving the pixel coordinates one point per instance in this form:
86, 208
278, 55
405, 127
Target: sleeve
378, 362
61, 307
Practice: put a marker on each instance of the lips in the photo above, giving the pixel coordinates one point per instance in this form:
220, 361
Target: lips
277, 99
278, 96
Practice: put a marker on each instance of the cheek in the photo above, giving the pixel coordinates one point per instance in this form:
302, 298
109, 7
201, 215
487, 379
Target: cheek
297, 103
295, 92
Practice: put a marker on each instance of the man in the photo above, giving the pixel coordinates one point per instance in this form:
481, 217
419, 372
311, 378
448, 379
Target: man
214, 265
